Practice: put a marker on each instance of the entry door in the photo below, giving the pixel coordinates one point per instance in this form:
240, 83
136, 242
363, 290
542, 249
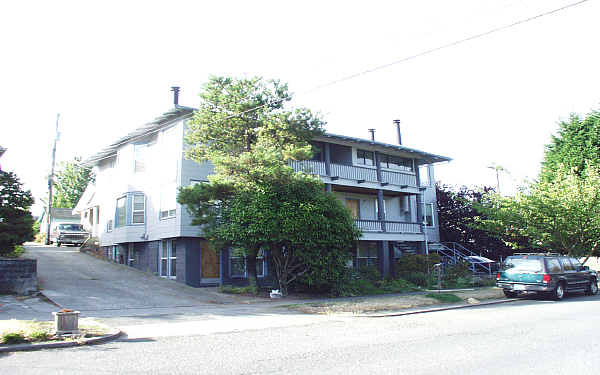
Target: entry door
210, 262
352, 204
168, 259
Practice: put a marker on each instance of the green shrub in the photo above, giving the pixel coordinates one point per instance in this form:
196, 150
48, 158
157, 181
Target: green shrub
238, 289
16, 253
40, 335
11, 338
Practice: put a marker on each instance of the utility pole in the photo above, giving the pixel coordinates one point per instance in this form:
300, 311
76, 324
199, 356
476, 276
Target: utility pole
51, 183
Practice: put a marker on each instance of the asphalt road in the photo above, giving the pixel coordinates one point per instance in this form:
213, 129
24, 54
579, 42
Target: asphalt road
525, 337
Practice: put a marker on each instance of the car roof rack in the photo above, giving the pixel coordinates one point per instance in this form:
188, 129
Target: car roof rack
541, 254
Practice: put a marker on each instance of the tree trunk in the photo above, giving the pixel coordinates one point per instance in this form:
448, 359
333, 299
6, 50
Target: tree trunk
590, 253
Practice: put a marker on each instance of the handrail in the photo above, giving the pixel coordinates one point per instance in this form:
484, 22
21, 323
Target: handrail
460, 252
370, 225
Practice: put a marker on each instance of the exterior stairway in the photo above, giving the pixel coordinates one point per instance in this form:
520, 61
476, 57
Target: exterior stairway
452, 253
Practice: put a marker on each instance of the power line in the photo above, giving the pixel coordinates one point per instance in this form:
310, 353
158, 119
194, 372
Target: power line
448, 45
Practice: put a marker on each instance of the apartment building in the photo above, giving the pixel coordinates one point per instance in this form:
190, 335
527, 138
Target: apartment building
132, 209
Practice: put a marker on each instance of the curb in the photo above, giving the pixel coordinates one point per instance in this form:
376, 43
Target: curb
436, 309
61, 344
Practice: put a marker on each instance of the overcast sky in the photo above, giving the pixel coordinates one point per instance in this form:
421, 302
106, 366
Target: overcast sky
107, 67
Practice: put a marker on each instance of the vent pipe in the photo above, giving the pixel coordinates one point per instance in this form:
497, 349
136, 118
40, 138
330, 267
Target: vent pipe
175, 90
397, 122
372, 131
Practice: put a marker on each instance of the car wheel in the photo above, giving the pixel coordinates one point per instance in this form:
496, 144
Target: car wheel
510, 294
592, 289
58, 244
559, 292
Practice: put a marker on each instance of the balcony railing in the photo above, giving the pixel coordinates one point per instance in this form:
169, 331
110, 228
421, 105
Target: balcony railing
388, 226
352, 172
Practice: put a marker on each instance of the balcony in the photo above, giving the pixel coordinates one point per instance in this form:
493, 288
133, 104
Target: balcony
356, 173
388, 226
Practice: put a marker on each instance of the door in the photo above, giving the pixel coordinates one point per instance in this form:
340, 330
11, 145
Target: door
168, 259
353, 206
209, 262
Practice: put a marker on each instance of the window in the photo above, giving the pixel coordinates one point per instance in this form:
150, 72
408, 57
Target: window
109, 226
238, 264
139, 209
552, 265
121, 212
575, 263
317, 149
428, 213
130, 255
168, 201
168, 259
566, 264
365, 157
396, 162
367, 254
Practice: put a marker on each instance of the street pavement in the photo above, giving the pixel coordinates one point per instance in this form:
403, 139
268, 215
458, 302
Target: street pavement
525, 337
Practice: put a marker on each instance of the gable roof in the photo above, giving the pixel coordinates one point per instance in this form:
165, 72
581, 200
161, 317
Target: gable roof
180, 112
157, 124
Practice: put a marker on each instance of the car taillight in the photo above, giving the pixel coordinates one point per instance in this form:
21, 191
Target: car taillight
546, 279
498, 276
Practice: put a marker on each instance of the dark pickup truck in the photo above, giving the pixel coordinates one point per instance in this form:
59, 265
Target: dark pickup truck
548, 274
72, 234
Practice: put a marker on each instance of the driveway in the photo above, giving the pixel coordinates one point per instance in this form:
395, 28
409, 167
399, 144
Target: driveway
81, 282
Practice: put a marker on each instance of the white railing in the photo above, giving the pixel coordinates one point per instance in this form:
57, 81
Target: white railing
352, 172
309, 166
390, 226
399, 178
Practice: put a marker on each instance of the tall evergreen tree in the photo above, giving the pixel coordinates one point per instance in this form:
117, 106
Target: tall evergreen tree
16, 222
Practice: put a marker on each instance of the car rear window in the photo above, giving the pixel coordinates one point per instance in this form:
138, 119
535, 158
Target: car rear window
73, 227
523, 265
552, 265
566, 264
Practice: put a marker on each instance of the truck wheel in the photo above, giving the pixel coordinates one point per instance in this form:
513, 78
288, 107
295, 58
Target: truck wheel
58, 244
559, 292
592, 289
510, 294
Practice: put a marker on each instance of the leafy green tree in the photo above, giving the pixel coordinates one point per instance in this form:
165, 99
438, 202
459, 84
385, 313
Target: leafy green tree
243, 128
71, 180
562, 215
457, 221
16, 222
576, 146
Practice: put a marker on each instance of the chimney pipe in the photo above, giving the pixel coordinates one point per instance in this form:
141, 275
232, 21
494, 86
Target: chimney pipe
372, 131
175, 90
397, 122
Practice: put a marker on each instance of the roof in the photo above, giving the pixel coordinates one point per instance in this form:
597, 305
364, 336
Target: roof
425, 156
63, 213
180, 112
158, 123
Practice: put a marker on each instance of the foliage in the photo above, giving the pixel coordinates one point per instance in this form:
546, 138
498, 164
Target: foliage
444, 297
368, 282
36, 227
457, 219
560, 215
17, 252
71, 180
255, 200
237, 289
574, 148
16, 225
416, 268
11, 338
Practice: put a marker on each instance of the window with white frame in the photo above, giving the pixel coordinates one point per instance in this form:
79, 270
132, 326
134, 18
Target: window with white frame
428, 218
121, 212
138, 209
395, 162
424, 175
168, 201
168, 259
109, 226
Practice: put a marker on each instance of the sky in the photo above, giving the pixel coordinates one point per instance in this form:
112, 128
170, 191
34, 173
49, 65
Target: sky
107, 68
